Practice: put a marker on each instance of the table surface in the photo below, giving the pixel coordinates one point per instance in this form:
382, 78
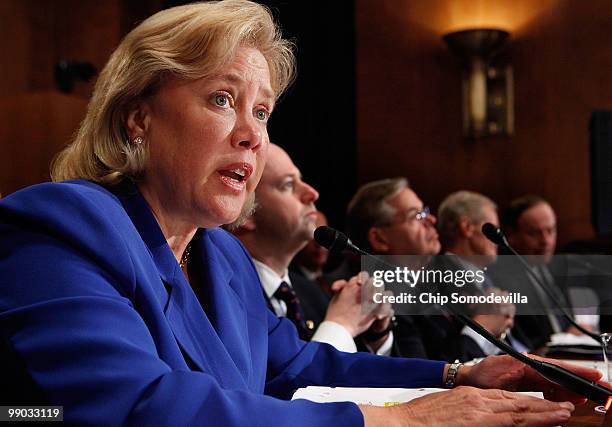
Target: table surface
586, 416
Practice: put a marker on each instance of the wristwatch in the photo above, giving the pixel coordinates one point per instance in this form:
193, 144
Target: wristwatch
451, 375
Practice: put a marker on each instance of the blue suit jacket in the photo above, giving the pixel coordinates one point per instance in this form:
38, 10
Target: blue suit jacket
94, 301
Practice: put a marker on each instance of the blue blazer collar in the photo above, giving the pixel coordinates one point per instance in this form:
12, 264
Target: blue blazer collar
191, 326
141, 215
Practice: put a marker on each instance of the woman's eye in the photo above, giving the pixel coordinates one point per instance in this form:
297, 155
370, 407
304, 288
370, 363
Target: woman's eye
262, 115
221, 100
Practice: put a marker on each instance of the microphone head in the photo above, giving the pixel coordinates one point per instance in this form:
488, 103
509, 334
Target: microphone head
331, 239
494, 234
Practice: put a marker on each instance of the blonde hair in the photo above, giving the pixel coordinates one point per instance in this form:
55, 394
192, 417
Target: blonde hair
187, 42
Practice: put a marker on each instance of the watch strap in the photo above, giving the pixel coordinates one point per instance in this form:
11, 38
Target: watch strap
451, 375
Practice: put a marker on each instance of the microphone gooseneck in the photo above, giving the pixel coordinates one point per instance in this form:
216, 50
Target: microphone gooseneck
553, 373
331, 238
495, 235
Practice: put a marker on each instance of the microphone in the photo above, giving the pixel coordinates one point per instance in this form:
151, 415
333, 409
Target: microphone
328, 237
495, 235
335, 241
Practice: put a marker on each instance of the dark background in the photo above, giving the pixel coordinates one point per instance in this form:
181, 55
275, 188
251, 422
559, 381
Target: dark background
315, 119
377, 95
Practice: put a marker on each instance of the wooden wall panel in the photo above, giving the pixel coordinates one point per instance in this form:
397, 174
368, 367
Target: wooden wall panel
36, 120
408, 101
34, 128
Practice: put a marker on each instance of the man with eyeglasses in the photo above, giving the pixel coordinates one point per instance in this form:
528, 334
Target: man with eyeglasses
386, 217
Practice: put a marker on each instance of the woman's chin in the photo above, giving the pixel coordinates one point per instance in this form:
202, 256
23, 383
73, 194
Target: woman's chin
231, 211
239, 217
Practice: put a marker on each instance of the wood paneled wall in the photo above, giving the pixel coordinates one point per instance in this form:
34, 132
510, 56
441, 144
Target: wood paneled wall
407, 93
409, 101
36, 120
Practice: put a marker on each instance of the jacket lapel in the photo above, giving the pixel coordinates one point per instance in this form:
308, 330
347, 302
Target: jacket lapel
223, 302
190, 325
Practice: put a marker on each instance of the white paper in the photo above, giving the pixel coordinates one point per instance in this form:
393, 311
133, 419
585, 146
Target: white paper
371, 396
562, 339
596, 364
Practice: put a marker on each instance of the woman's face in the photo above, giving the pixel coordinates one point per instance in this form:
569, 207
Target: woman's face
207, 142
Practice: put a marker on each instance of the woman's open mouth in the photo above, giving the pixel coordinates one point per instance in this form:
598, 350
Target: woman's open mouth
236, 175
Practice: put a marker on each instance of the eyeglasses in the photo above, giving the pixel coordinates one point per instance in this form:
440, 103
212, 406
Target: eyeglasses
412, 215
422, 214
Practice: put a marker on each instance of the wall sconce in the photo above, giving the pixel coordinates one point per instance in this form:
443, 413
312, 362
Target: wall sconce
487, 86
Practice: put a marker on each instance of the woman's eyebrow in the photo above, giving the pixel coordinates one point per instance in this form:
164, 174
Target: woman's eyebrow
236, 78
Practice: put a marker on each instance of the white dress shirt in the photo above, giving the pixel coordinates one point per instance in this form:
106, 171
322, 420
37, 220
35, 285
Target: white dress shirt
328, 332
490, 349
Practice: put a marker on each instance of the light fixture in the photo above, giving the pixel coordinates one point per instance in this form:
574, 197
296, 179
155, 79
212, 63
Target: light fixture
487, 83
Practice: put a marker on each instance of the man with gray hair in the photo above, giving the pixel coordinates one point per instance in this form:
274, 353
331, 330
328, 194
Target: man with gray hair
461, 216
460, 219
387, 217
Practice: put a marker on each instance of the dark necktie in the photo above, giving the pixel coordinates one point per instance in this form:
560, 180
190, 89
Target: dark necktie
294, 309
561, 323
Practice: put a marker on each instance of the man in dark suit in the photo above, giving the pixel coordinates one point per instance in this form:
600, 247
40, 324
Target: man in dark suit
283, 222
386, 217
460, 219
531, 227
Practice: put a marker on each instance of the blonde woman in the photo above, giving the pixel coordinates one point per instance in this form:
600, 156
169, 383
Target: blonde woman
126, 302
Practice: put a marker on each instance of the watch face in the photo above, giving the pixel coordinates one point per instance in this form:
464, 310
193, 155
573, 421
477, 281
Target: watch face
451, 374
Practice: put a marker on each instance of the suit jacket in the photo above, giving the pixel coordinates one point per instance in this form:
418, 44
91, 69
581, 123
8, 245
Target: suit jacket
431, 336
313, 299
410, 333
94, 302
508, 273
467, 348
436, 335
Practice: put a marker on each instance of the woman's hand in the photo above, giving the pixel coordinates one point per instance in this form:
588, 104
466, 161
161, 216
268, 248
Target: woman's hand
468, 406
505, 372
